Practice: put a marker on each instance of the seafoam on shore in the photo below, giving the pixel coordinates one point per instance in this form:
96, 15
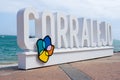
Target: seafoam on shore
8, 65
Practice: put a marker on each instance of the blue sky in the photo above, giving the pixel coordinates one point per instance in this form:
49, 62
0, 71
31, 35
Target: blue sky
101, 10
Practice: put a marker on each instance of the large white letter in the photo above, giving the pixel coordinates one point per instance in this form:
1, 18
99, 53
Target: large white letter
62, 27
23, 18
109, 34
85, 34
91, 31
103, 29
46, 25
97, 32
73, 25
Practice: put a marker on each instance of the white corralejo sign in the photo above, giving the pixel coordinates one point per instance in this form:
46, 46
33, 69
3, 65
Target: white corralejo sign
74, 38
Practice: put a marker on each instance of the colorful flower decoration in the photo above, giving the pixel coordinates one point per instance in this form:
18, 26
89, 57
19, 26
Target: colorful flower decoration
44, 48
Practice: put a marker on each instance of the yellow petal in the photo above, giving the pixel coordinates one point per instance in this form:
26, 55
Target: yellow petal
44, 56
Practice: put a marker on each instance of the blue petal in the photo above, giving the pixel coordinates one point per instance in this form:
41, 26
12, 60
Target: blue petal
47, 40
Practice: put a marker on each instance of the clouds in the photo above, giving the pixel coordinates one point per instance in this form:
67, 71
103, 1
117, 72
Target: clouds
108, 10
85, 8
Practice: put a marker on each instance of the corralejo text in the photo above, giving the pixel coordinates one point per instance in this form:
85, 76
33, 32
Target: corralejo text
69, 35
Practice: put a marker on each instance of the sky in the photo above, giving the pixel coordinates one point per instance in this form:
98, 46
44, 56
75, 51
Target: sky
101, 10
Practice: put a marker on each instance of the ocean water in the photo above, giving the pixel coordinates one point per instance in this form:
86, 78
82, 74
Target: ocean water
116, 45
9, 49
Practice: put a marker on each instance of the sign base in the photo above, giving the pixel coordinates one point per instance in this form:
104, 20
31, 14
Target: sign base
29, 60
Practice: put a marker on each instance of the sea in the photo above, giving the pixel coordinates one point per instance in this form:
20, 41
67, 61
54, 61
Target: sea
9, 49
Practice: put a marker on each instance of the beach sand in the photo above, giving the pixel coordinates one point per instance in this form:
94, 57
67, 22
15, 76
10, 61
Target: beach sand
106, 68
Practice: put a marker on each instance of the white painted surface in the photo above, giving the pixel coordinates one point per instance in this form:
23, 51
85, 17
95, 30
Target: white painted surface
74, 38
23, 18
66, 31
29, 60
